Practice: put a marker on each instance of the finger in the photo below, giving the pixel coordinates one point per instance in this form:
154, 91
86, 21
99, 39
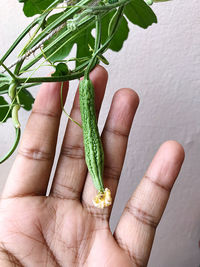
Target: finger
32, 167
136, 229
114, 138
71, 169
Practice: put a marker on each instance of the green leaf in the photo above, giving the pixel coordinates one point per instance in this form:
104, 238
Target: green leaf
120, 36
139, 13
61, 70
25, 99
4, 83
4, 110
84, 42
33, 7
60, 53
64, 51
52, 18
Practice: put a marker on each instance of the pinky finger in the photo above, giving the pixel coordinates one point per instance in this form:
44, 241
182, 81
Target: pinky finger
136, 229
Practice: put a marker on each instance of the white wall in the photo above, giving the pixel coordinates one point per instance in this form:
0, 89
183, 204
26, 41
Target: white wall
163, 65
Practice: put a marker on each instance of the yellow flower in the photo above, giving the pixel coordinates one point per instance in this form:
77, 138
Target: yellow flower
103, 200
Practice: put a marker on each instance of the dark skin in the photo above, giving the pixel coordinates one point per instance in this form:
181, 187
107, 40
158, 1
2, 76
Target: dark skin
64, 228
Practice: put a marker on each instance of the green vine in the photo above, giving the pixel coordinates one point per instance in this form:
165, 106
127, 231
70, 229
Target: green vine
54, 35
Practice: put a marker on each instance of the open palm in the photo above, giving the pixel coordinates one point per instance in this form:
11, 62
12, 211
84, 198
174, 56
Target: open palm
64, 228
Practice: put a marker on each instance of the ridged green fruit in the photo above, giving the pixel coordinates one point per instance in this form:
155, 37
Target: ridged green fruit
94, 155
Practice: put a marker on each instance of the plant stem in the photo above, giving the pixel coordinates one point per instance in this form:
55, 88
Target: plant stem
68, 35
96, 46
61, 19
18, 67
32, 37
75, 75
10, 152
79, 74
18, 40
107, 7
98, 33
27, 30
92, 64
9, 72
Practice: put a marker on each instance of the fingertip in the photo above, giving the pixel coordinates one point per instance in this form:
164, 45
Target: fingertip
123, 109
129, 96
166, 164
99, 72
173, 151
99, 78
49, 94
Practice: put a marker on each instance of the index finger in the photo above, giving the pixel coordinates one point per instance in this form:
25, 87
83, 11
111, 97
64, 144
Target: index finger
31, 170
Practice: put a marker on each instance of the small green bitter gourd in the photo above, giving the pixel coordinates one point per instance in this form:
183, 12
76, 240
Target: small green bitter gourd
94, 155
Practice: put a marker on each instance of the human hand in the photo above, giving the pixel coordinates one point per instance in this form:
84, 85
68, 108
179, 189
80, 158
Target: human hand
64, 228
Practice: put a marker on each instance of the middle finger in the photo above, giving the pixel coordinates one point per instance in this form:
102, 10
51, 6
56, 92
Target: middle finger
114, 138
